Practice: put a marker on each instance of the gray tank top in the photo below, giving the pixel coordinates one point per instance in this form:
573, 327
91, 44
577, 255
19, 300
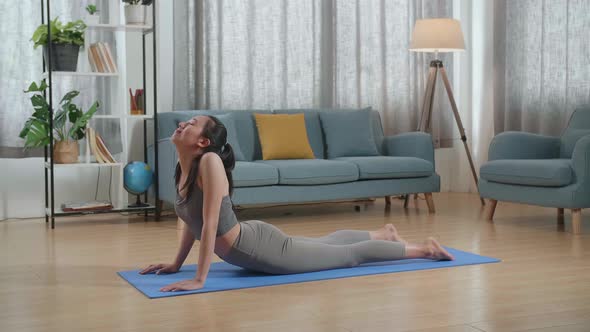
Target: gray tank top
191, 211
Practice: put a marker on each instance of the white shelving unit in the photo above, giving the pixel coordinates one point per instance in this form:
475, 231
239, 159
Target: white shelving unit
118, 108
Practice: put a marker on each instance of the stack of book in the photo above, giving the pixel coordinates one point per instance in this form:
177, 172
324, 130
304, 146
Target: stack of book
98, 148
101, 59
86, 206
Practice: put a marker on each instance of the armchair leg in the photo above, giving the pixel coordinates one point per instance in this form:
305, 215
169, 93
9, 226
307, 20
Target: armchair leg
387, 200
576, 221
491, 210
406, 199
560, 220
430, 202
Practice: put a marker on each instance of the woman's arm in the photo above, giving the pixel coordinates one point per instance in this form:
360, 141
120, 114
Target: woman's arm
214, 188
186, 244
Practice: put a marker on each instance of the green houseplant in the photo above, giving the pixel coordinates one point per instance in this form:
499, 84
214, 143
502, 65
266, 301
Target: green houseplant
93, 14
69, 124
66, 40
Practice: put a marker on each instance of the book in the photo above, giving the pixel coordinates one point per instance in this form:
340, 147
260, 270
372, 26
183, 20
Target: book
91, 61
102, 148
111, 61
92, 139
96, 58
86, 206
103, 57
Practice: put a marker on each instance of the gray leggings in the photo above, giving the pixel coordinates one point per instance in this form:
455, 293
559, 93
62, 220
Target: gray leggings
265, 248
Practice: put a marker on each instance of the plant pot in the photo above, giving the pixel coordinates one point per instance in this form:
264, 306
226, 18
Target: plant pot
135, 14
92, 19
66, 152
64, 57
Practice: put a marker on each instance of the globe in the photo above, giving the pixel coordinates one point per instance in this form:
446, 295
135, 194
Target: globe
137, 177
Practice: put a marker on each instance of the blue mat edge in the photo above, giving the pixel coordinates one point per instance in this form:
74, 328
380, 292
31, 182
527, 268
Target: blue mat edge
486, 260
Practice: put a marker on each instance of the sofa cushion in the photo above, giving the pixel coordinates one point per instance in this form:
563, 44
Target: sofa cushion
529, 172
248, 174
283, 136
382, 167
232, 135
313, 127
313, 171
349, 133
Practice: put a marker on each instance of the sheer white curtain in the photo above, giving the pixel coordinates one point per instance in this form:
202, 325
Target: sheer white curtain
294, 54
543, 62
20, 65
525, 69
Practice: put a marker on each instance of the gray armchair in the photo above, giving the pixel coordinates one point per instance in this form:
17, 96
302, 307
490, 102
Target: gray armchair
541, 170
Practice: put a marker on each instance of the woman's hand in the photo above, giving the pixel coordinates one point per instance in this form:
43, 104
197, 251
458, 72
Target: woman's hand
160, 269
184, 285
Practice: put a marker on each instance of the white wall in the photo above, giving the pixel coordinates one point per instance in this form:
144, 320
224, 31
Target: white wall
22, 193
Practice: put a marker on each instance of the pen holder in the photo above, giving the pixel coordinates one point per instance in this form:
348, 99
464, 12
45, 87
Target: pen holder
136, 102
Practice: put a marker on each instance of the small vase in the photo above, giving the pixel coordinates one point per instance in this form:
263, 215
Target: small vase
135, 14
92, 19
65, 152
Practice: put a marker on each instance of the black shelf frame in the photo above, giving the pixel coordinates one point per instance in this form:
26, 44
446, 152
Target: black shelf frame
50, 211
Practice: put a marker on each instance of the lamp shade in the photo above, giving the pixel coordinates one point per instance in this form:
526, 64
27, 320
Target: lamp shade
437, 35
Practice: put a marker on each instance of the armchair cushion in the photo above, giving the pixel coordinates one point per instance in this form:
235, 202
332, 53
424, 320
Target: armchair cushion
529, 172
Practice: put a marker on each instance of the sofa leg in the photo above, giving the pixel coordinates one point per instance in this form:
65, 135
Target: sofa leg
491, 210
429, 202
406, 200
576, 221
387, 200
560, 213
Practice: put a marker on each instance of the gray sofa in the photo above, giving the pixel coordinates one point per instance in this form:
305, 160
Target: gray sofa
404, 163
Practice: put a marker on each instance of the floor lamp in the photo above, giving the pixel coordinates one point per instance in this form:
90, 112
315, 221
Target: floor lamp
439, 35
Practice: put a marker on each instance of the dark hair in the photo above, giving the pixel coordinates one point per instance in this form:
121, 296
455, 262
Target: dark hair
216, 132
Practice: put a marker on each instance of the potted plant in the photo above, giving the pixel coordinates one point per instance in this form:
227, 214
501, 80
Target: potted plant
92, 18
66, 40
69, 124
135, 11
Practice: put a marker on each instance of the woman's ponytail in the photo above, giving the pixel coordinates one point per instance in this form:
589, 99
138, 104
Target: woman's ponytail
229, 162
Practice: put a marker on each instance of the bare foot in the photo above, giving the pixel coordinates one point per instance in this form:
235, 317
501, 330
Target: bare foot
434, 250
388, 233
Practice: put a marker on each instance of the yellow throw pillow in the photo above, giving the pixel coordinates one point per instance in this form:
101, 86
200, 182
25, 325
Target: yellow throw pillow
283, 136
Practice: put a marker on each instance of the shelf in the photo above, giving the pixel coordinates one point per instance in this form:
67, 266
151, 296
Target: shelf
116, 209
78, 73
119, 27
82, 165
128, 116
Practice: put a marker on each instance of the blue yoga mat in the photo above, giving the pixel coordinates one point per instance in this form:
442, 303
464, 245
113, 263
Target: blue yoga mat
223, 276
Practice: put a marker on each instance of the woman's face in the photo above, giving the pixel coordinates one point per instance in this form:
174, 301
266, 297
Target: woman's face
189, 133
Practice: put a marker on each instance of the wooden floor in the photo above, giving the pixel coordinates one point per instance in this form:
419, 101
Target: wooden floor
65, 279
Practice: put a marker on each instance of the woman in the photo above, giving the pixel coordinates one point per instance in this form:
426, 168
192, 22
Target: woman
204, 185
